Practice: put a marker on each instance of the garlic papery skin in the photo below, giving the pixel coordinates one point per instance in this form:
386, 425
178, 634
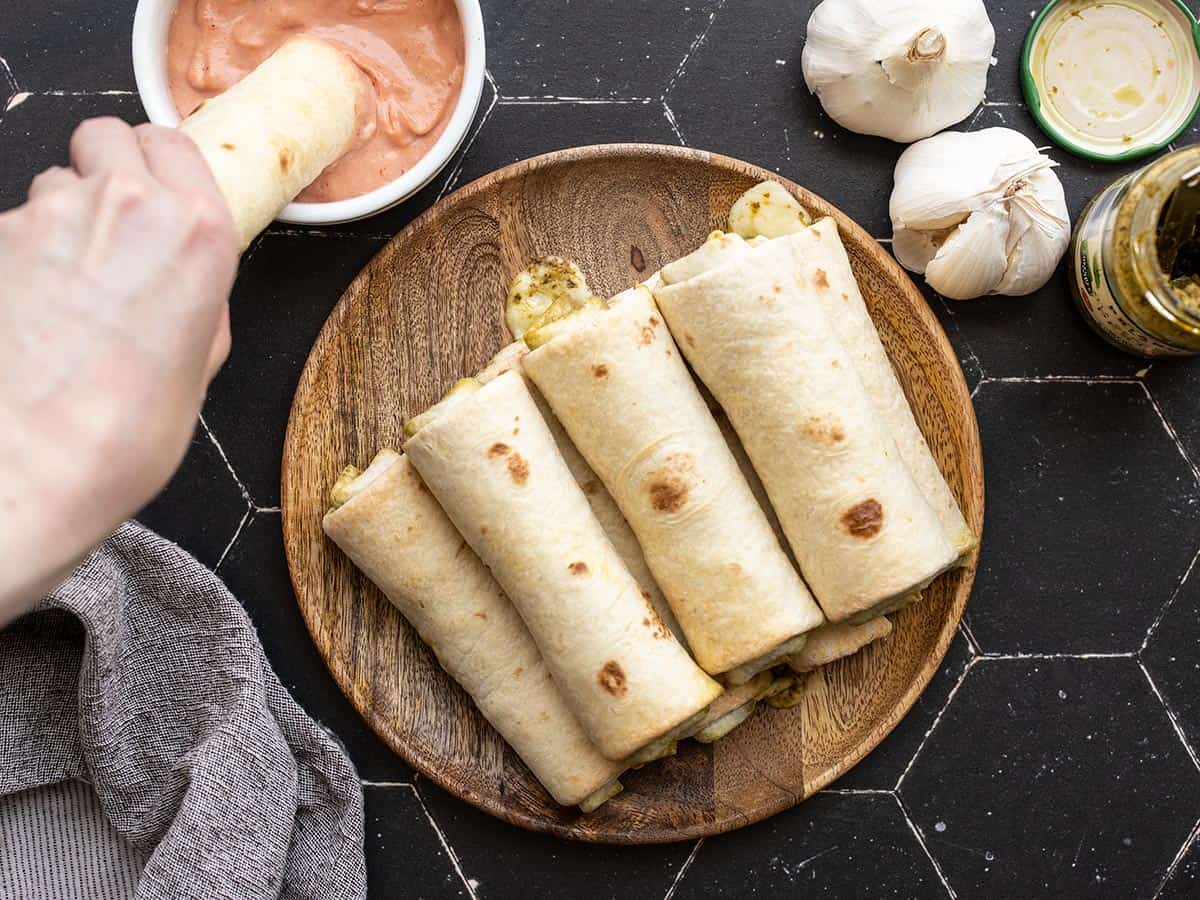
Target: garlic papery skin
902, 69
979, 212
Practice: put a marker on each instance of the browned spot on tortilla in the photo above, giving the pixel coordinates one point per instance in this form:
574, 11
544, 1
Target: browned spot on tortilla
578, 568
517, 671
636, 258
612, 678
668, 486
654, 321
646, 335
653, 620
285, 160
864, 520
835, 364
516, 431
483, 529
497, 450
481, 615
590, 487
228, 147
845, 296
518, 468
691, 341
820, 279
600, 371
777, 288
822, 428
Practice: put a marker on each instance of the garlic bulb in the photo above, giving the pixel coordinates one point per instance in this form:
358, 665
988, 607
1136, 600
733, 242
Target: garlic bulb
979, 212
903, 69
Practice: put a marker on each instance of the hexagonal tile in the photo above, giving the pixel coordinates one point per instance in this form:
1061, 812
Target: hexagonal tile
832, 845
1054, 778
590, 48
1175, 385
406, 856
35, 134
72, 46
516, 131
256, 572
202, 482
1172, 661
1092, 517
883, 765
502, 861
742, 93
286, 287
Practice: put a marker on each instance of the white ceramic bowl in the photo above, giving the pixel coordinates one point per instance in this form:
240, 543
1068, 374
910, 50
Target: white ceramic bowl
150, 24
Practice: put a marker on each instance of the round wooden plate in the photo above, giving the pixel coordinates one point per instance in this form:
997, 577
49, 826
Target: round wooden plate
428, 310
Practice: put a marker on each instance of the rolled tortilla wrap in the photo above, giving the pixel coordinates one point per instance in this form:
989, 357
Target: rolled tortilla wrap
604, 508
271, 134
841, 639
394, 531
834, 286
862, 531
620, 388
492, 463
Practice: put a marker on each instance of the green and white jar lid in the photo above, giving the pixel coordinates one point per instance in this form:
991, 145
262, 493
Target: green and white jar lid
1113, 79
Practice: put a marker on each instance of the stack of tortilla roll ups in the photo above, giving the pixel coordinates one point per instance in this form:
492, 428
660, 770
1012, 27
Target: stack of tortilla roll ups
611, 556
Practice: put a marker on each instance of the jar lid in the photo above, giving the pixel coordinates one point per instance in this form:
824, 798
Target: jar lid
1113, 79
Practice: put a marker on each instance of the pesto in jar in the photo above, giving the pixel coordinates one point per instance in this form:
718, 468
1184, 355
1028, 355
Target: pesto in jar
1135, 259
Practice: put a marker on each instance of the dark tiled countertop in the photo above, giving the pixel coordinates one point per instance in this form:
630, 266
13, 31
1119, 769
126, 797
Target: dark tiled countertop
1054, 755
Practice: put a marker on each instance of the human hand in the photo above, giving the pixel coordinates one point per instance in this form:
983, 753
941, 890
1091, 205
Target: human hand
113, 321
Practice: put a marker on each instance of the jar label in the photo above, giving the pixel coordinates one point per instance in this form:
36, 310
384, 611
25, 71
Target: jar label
1093, 291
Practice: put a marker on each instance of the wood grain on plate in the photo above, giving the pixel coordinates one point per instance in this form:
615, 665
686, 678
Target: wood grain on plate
429, 310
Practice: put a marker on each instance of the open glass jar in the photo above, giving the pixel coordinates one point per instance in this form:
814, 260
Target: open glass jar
1117, 273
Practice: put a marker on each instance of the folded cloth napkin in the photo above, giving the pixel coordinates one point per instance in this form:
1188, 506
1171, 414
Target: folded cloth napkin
143, 676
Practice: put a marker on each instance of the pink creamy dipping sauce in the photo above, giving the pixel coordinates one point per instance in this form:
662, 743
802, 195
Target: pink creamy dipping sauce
412, 51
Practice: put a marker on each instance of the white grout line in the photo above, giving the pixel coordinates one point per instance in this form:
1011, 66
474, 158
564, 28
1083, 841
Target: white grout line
674, 125
1162, 612
388, 784
858, 792
921, 840
1187, 748
268, 509
246, 517
687, 864
228, 465
936, 720
576, 101
445, 844
452, 181
696, 45
1036, 656
972, 642
84, 93
1066, 379
324, 233
491, 79
1171, 431
1191, 839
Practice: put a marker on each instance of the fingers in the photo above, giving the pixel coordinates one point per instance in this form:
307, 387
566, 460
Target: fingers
53, 179
175, 160
106, 146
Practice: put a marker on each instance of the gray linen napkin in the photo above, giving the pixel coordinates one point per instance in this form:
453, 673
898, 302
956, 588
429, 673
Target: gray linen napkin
144, 677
